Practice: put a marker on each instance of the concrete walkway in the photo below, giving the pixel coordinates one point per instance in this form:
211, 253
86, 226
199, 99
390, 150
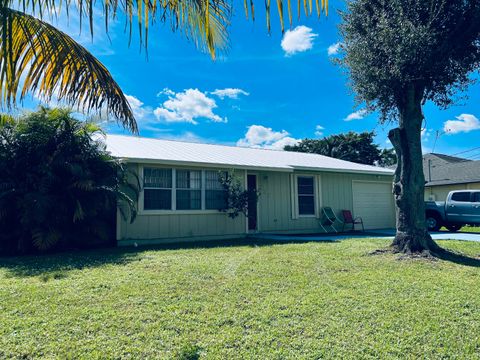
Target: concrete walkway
380, 234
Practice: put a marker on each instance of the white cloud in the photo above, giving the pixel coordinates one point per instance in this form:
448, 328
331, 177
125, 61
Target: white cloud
297, 40
334, 49
165, 91
464, 123
259, 136
231, 93
319, 130
187, 106
139, 110
357, 115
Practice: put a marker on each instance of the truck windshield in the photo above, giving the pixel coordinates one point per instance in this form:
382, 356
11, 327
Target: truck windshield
476, 197
461, 197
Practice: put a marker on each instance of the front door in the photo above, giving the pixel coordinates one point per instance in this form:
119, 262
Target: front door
252, 203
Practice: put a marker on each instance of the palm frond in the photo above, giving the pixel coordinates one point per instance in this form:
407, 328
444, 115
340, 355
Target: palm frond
78, 213
50, 63
203, 21
6, 119
45, 239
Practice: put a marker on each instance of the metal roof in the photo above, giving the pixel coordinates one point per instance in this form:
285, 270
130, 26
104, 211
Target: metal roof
148, 150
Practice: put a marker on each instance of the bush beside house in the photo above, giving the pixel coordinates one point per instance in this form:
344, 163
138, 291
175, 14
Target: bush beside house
58, 186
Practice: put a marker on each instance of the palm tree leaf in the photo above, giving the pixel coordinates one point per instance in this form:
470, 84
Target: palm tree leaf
6, 119
203, 21
51, 63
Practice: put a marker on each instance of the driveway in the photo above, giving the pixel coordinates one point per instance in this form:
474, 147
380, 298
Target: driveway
380, 234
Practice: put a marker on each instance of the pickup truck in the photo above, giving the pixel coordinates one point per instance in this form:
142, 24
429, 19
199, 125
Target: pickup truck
462, 207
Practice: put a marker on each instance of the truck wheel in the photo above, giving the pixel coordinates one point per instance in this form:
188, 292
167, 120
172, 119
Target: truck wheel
434, 222
453, 227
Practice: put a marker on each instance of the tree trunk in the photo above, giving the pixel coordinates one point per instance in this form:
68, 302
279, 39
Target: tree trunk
409, 181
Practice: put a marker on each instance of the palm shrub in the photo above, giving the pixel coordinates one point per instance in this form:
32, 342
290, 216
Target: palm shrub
59, 188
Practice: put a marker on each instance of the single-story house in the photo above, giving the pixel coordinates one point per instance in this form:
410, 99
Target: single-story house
444, 173
181, 190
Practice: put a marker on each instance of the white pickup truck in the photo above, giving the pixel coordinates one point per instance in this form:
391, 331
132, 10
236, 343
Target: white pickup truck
462, 207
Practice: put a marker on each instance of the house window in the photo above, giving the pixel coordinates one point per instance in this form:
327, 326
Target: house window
157, 193
189, 189
215, 194
306, 195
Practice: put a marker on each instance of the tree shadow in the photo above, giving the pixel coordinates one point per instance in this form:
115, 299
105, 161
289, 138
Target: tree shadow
56, 266
249, 241
457, 258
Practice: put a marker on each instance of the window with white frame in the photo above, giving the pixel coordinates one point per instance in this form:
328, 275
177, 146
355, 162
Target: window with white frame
182, 189
306, 195
188, 189
215, 194
157, 189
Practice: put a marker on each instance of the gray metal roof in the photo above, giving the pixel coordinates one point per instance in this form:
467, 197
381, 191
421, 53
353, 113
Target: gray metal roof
147, 150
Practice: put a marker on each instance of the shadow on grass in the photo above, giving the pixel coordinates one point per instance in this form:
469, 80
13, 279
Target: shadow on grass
458, 258
56, 266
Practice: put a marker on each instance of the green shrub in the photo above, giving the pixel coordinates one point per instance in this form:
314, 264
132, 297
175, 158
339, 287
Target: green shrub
59, 187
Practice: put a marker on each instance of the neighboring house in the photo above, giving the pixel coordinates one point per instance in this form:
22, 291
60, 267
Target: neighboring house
445, 173
181, 191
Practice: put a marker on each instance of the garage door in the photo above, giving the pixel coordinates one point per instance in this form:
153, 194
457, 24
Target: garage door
373, 201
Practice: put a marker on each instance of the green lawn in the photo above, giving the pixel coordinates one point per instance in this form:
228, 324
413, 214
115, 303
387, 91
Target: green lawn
280, 301
470, 229
466, 228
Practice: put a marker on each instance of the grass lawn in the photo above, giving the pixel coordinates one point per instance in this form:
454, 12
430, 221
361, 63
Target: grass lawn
470, 229
466, 228
279, 301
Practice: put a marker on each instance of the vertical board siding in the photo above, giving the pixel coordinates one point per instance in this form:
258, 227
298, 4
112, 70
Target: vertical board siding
275, 201
147, 227
172, 226
274, 210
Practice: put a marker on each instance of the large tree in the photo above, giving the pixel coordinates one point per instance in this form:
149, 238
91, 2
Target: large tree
36, 57
399, 55
351, 146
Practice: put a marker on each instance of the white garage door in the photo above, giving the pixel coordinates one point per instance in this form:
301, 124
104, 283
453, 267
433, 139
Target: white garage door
373, 201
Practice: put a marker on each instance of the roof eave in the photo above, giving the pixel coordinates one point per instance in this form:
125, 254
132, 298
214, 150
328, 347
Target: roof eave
253, 168
205, 164
350, 171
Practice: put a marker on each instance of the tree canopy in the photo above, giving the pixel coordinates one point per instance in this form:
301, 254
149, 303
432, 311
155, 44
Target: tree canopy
351, 146
392, 45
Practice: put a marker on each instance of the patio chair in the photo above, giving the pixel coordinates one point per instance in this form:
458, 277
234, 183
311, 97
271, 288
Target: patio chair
329, 219
348, 219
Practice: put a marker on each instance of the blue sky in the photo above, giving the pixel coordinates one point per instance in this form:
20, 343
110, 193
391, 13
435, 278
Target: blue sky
259, 93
